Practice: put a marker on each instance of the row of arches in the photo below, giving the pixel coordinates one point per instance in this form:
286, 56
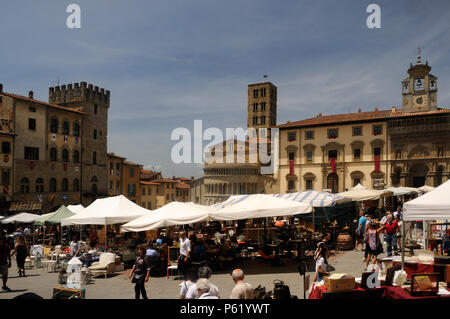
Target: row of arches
231, 171
64, 155
65, 127
53, 185
231, 188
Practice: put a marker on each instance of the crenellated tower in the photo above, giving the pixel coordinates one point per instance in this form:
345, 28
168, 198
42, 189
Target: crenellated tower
94, 101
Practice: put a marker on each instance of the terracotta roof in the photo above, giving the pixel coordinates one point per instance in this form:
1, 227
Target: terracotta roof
114, 155
357, 117
27, 206
59, 107
164, 180
131, 163
182, 186
149, 183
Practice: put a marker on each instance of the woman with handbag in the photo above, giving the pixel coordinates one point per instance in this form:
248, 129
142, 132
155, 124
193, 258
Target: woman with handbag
140, 273
374, 246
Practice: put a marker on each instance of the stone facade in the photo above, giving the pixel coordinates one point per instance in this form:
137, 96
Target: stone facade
383, 148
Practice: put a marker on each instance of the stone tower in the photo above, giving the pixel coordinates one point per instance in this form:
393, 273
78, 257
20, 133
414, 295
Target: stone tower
94, 130
262, 105
419, 89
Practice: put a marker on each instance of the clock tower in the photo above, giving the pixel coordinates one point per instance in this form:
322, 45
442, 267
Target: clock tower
419, 89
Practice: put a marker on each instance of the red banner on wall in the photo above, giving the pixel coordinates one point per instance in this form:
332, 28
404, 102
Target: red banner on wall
333, 164
291, 167
377, 164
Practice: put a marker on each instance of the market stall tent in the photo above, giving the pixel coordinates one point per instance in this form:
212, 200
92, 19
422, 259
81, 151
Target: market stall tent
108, 211
258, 206
174, 213
433, 205
56, 217
315, 199
426, 189
361, 193
22, 218
75, 208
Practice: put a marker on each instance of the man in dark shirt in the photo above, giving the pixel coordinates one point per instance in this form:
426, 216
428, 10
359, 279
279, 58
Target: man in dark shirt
5, 262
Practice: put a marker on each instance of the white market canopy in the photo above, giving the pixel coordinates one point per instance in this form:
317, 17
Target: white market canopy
75, 208
315, 199
108, 211
361, 193
22, 218
257, 206
399, 191
426, 189
433, 205
174, 213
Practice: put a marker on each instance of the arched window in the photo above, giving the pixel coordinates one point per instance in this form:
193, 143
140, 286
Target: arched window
54, 125
53, 154
39, 185
65, 128
65, 185
76, 157
76, 129
76, 185
25, 185
94, 188
53, 185
65, 156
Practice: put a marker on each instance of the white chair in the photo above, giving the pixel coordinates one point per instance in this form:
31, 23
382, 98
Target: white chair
52, 259
105, 266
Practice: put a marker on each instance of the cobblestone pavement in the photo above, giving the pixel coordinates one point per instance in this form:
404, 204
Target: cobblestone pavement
119, 286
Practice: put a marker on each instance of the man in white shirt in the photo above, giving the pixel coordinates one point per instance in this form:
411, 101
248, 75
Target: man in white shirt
203, 273
185, 251
242, 289
203, 289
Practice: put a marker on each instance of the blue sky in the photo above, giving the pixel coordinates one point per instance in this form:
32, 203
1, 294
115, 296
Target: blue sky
170, 62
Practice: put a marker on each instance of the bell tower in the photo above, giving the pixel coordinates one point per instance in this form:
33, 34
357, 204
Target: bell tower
419, 89
262, 105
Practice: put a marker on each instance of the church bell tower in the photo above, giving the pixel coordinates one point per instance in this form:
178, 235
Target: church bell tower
419, 89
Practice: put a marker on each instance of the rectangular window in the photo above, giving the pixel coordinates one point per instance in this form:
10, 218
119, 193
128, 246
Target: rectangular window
131, 171
309, 135
332, 133
5, 177
31, 153
291, 156
377, 151
263, 119
309, 184
377, 129
255, 107
356, 181
292, 136
6, 147
32, 109
255, 120
32, 124
263, 106
332, 154
357, 153
255, 93
309, 156
440, 152
291, 185
357, 131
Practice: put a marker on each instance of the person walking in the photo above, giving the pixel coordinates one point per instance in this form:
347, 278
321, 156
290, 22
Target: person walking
360, 230
391, 228
185, 252
75, 247
373, 245
139, 274
321, 263
366, 250
5, 262
242, 289
21, 249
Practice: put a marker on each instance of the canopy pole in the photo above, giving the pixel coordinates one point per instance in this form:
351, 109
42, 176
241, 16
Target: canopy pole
313, 221
403, 244
106, 236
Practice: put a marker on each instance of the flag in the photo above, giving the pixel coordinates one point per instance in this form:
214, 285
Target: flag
377, 164
333, 164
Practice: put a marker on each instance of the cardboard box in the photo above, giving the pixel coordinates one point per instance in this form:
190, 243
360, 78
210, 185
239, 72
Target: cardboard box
343, 284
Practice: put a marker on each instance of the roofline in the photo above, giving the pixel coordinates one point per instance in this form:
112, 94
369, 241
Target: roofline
55, 106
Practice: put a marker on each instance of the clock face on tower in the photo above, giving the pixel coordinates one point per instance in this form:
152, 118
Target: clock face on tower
418, 84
